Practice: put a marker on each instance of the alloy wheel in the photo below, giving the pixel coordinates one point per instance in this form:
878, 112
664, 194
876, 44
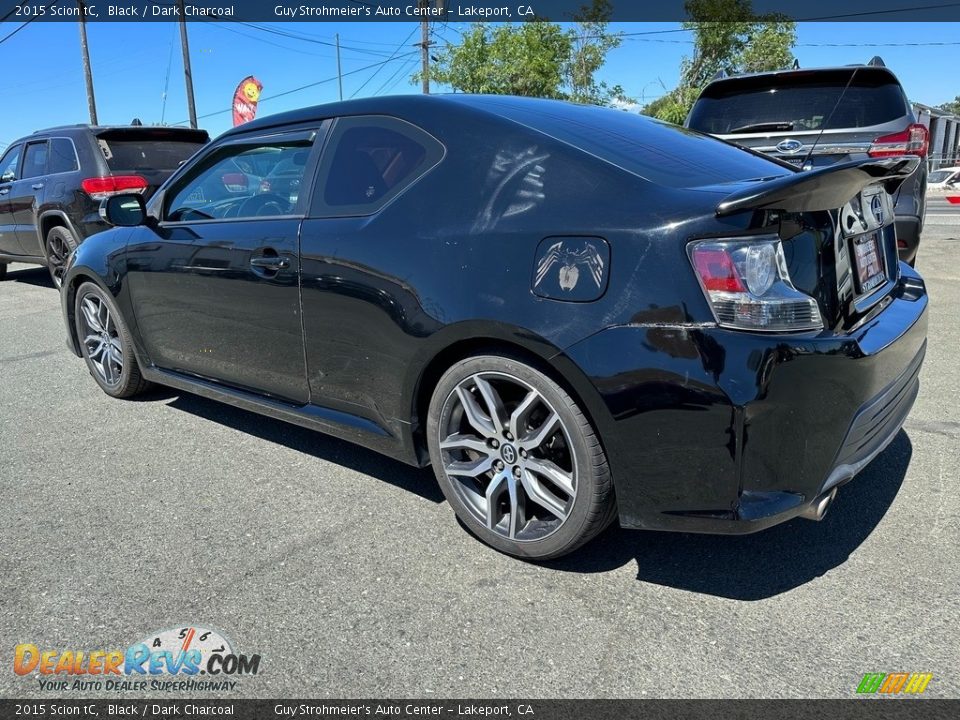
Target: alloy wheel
508, 456
57, 252
101, 339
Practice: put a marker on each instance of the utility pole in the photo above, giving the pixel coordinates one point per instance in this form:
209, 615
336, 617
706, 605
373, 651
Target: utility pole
425, 47
339, 73
187, 71
87, 73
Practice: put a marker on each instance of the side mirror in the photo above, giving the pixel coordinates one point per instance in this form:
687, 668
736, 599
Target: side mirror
126, 210
8, 177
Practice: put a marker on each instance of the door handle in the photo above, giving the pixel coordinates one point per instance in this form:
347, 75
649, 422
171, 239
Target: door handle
37, 186
4, 191
272, 263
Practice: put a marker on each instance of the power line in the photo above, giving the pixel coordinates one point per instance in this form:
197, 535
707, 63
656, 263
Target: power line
405, 68
305, 87
14, 32
398, 48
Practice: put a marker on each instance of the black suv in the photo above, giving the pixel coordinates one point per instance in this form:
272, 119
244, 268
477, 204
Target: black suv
52, 182
846, 113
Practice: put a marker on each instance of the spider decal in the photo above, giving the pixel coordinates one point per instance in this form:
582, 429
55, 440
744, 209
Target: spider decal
570, 261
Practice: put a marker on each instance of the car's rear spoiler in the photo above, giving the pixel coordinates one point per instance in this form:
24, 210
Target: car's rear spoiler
822, 189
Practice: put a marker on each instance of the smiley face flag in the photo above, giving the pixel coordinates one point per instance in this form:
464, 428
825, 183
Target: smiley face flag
245, 100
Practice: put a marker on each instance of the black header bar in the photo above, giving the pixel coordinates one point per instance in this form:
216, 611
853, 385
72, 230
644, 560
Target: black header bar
457, 11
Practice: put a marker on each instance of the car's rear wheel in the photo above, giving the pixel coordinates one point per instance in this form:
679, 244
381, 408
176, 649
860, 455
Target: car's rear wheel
60, 243
106, 344
3, 271
517, 459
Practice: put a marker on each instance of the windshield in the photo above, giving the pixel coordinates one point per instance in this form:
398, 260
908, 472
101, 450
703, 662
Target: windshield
800, 101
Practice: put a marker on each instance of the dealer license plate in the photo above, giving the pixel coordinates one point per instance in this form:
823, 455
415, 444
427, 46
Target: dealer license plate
868, 261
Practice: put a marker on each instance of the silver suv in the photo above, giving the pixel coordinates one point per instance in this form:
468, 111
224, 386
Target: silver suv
787, 113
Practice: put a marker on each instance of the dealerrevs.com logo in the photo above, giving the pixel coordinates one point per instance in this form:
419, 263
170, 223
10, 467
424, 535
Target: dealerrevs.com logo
894, 683
169, 660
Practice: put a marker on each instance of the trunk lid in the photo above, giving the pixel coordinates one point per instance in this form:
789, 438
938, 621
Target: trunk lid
837, 229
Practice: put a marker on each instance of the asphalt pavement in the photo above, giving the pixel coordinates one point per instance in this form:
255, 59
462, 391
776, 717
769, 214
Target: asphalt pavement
349, 575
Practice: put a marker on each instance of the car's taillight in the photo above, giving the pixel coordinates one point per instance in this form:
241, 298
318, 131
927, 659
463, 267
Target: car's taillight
912, 141
749, 288
100, 187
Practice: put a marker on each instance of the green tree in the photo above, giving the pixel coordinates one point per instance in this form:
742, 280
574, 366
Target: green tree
952, 107
535, 58
590, 42
505, 60
728, 37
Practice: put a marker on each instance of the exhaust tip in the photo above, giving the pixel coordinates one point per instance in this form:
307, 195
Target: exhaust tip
817, 510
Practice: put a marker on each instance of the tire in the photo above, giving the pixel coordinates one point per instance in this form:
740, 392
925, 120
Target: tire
3, 271
537, 496
59, 244
105, 343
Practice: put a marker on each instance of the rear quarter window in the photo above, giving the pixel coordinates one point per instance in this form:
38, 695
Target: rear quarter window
368, 161
63, 156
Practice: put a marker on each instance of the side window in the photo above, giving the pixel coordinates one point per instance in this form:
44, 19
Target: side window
369, 161
34, 160
257, 178
8, 164
63, 156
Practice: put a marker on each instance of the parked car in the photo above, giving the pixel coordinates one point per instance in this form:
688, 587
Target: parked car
944, 179
798, 116
52, 182
573, 313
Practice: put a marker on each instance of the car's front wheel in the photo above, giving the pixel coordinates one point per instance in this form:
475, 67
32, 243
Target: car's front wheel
3, 271
517, 459
106, 344
60, 243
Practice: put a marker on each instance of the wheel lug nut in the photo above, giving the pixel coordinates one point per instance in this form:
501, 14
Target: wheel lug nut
507, 435
494, 444
516, 471
523, 453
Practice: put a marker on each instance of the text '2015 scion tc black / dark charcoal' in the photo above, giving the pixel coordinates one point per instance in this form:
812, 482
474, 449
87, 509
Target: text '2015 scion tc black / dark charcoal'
574, 314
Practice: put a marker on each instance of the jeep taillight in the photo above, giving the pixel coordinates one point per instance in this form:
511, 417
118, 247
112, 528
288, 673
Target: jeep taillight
748, 286
912, 141
100, 187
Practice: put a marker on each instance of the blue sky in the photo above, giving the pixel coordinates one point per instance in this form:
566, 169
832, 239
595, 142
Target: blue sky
44, 84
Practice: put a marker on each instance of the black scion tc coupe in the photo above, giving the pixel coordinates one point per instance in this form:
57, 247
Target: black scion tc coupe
574, 314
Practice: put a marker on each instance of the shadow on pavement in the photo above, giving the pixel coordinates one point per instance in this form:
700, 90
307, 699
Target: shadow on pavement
754, 567
35, 275
324, 447
747, 567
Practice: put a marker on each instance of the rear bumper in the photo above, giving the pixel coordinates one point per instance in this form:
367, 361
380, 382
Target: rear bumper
908, 237
715, 431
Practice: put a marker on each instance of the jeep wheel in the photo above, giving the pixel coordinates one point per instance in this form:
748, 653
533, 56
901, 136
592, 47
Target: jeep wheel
60, 243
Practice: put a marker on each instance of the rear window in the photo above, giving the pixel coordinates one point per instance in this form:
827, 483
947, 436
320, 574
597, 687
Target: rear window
656, 151
130, 151
799, 101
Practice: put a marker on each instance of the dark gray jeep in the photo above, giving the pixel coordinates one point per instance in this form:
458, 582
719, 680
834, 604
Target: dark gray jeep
52, 183
815, 117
